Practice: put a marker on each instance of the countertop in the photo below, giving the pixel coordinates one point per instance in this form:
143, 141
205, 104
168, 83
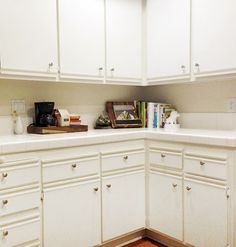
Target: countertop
33, 142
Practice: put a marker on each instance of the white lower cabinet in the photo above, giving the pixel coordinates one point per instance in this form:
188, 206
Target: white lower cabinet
72, 215
123, 204
205, 214
165, 204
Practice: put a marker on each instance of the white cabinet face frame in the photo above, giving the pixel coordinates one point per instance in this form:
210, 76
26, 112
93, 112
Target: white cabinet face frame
82, 39
28, 43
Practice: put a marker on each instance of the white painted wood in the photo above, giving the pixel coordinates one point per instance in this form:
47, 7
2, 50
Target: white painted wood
71, 169
82, 44
28, 32
165, 204
124, 33
123, 204
72, 216
20, 233
19, 175
168, 38
122, 160
19, 201
203, 167
213, 25
205, 215
165, 158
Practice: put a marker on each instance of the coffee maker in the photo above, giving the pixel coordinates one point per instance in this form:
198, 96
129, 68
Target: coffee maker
44, 114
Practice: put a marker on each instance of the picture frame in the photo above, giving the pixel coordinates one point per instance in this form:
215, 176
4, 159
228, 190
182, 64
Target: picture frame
123, 115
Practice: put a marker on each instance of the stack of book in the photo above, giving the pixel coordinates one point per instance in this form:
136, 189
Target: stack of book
153, 114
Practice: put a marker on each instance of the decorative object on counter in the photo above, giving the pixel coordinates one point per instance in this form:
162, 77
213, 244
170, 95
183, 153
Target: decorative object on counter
56, 129
18, 128
103, 122
123, 115
171, 121
62, 117
75, 119
44, 114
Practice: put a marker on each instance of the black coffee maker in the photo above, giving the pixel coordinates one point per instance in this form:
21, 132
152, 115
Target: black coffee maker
44, 114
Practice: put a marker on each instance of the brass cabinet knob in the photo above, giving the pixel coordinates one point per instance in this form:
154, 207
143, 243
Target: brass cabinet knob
188, 188
202, 163
5, 234
163, 155
174, 185
74, 166
108, 185
4, 202
4, 175
126, 157
95, 189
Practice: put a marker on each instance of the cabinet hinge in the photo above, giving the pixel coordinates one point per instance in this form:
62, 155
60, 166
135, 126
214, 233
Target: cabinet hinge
42, 197
228, 193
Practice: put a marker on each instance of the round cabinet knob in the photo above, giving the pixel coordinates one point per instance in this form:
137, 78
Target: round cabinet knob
112, 69
95, 189
174, 185
202, 163
4, 202
183, 68
108, 185
197, 66
5, 234
100, 69
126, 157
4, 175
74, 166
50, 64
188, 188
163, 155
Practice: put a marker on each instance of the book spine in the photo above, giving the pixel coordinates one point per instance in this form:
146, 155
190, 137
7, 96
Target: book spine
150, 115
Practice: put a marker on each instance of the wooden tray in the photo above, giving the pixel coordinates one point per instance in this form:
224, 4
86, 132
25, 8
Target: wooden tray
56, 130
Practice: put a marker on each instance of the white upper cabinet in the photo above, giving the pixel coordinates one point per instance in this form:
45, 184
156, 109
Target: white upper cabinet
28, 36
168, 39
82, 45
124, 39
214, 36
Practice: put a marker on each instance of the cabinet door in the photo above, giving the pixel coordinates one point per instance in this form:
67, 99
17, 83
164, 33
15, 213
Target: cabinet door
205, 214
82, 46
72, 216
168, 38
124, 34
165, 204
123, 204
214, 36
28, 36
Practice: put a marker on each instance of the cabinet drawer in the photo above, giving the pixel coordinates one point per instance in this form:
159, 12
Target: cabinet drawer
166, 158
20, 174
15, 202
122, 160
206, 167
70, 169
20, 233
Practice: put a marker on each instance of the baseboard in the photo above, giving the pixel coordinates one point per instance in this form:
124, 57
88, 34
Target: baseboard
140, 233
165, 239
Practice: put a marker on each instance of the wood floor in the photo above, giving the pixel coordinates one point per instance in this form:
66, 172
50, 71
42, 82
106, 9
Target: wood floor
145, 243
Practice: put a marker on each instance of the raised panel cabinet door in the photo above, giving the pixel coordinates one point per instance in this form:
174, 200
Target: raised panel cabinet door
72, 216
82, 38
205, 219
28, 36
214, 36
168, 38
165, 204
123, 204
124, 35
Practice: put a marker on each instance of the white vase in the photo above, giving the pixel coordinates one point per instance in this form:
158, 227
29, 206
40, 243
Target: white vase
18, 126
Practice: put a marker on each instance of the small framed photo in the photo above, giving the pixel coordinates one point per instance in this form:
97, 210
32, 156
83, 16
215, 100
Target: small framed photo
123, 115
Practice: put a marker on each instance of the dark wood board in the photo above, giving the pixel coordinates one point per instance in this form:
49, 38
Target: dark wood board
31, 129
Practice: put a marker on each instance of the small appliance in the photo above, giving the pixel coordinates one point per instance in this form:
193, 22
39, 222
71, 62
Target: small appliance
44, 114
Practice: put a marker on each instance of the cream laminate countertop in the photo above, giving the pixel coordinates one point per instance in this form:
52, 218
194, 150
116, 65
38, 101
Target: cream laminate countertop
33, 142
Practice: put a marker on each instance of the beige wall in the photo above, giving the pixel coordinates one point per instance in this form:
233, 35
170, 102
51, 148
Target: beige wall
79, 98
194, 97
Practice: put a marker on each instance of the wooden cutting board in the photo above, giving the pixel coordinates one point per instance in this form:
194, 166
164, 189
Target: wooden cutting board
31, 129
